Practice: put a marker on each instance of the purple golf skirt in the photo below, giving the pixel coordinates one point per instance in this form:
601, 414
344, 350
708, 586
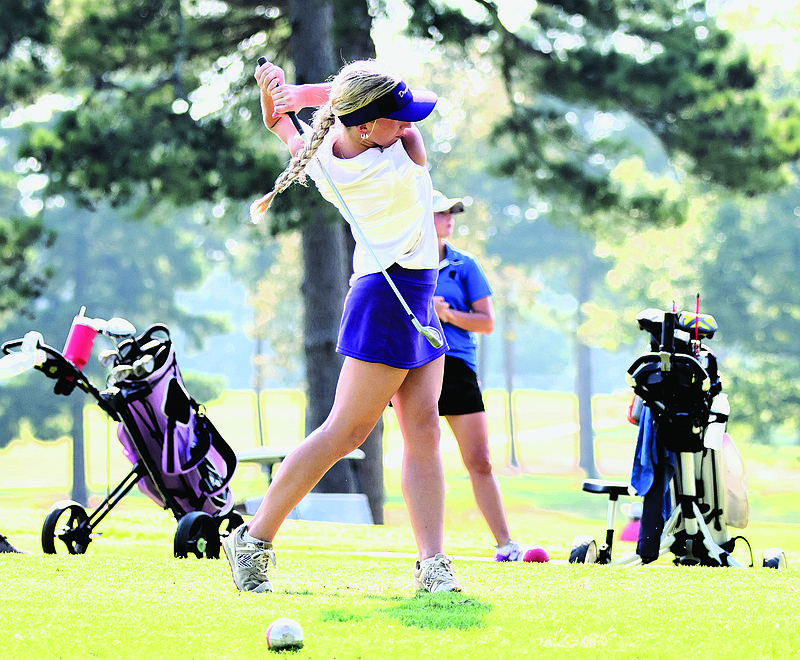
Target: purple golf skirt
376, 328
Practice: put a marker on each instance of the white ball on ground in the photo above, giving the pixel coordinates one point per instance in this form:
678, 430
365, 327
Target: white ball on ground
284, 634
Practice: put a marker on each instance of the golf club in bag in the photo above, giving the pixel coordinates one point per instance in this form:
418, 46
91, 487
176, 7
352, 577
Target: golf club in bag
430, 333
179, 459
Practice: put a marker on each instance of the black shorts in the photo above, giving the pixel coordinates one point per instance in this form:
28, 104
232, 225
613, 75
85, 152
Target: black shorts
461, 393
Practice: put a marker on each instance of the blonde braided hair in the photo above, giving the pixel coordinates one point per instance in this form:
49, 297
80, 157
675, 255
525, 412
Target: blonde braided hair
356, 85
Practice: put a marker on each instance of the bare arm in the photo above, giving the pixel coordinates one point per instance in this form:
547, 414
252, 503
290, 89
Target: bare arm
414, 146
293, 98
479, 319
278, 99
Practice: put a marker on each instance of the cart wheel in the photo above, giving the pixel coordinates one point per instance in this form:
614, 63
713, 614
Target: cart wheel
775, 558
197, 533
67, 521
584, 551
228, 523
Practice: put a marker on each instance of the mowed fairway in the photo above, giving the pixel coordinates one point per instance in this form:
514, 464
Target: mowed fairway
350, 586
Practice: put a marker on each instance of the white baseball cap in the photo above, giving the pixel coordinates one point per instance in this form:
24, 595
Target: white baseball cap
442, 203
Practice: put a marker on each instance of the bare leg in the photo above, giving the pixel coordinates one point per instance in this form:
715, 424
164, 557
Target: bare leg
472, 436
362, 393
422, 475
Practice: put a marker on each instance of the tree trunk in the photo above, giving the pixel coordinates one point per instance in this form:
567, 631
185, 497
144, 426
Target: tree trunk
76, 402
583, 384
353, 41
323, 292
79, 491
323, 245
327, 244
508, 370
352, 32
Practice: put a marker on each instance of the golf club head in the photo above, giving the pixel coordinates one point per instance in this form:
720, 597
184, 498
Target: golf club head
119, 373
430, 333
433, 336
107, 358
144, 365
118, 328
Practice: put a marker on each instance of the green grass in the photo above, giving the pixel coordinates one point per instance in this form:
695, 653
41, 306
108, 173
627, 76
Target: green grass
350, 586
126, 598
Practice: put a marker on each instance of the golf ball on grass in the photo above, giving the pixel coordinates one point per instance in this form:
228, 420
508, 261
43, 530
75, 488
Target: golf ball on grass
284, 634
538, 555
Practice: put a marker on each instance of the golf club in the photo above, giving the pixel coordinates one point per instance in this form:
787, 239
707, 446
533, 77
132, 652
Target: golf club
117, 328
430, 333
108, 357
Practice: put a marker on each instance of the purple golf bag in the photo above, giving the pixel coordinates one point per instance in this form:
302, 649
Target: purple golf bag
162, 422
179, 459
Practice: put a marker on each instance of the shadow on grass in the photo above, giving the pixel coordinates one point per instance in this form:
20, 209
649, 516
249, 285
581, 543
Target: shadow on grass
340, 616
434, 611
440, 611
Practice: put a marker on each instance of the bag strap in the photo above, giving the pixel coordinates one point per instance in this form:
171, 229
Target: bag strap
205, 429
178, 407
202, 443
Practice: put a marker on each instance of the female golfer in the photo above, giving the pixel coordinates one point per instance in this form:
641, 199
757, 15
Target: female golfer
364, 137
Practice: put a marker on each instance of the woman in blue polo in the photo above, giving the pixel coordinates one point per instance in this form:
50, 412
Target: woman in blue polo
464, 306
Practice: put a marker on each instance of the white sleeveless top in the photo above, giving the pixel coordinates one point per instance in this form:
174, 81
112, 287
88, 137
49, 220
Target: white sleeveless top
391, 198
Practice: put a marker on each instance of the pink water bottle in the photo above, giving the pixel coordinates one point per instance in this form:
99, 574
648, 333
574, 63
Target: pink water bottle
80, 340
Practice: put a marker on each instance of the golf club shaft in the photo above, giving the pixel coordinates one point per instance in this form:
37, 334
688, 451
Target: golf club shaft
431, 334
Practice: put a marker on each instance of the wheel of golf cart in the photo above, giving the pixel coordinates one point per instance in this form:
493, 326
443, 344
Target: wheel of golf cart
228, 523
775, 558
197, 534
584, 550
68, 522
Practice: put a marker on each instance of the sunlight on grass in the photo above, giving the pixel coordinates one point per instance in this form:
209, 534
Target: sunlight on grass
351, 588
352, 607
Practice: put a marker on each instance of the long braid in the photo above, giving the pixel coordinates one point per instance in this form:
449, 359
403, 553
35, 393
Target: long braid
324, 119
295, 170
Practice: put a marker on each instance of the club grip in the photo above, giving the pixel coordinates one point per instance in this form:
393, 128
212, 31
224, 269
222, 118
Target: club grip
263, 60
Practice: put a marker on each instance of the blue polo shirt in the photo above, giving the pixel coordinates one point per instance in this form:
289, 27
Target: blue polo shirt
461, 281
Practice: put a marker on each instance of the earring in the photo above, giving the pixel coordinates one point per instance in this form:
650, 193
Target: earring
364, 136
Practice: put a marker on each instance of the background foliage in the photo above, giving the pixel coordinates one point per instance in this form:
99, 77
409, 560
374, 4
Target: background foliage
613, 156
